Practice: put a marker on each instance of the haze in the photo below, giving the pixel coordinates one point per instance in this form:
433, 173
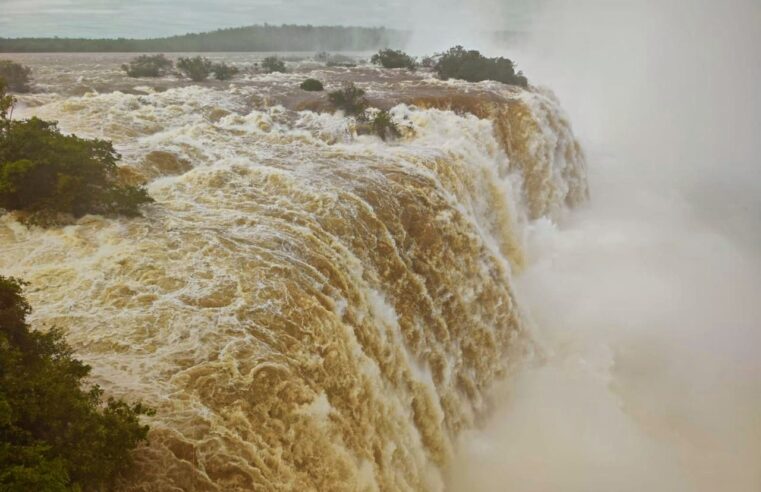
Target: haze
152, 18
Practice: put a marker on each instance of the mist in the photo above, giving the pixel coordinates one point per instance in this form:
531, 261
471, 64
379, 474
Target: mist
644, 303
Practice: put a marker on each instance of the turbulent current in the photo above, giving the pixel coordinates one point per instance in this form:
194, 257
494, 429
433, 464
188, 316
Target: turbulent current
306, 308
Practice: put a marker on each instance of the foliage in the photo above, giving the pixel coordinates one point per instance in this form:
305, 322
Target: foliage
273, 64
393, 59
312, 85
428, 62
16, 75
223, 71
55, 434
197, 68
261, 38
384, 126
44, 171
148, 66
350, 99
471, 65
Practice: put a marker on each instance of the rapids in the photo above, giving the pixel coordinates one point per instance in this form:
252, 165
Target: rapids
305, 308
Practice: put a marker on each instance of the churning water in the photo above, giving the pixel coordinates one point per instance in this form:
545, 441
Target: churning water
305, 308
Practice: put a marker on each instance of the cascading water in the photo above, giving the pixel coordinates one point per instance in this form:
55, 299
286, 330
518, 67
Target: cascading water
305, 308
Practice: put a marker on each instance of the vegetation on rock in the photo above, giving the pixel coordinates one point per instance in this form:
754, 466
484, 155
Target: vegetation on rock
223, 71
273, 64
384, 126
148, 66
472, 66
351, 100
56, 434
43, 171
16, 75
196, 69
312, 85
393, 59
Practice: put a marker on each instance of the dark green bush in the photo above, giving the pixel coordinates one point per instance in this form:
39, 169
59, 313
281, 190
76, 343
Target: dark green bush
312, 85
351, 100
56, 434
383, 126
16, 75
148, 66
197, 68
223, 71
273, 64
471, 65
43, 171
393, 59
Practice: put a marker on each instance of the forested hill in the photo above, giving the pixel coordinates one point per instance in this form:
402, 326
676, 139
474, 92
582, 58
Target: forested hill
252, 38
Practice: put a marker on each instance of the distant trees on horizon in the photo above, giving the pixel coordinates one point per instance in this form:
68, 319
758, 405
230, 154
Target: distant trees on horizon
252, 38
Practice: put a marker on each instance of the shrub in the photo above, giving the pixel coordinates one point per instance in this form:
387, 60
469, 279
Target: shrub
312, 85
16, 76
393, 59
350, 99
55, 433
43, 171
383, 126
273, 64
223, 71
470, 65
148, 66
197, 68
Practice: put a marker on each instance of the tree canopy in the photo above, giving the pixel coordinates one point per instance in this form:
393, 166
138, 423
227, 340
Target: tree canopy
43, 171
16, 75
56, 434
472, 66
393, 59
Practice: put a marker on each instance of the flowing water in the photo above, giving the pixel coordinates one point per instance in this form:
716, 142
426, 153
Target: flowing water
305, 308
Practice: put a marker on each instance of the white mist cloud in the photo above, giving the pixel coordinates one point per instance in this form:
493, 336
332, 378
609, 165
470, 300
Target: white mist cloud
645, 301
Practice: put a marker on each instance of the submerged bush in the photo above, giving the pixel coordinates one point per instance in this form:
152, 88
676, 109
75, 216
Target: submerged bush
223, 71
43, 171
384, 126
471, 65
312, 85
55, 432
148, 66
16, 75
393, 59
351, 100
197, 68
273, 64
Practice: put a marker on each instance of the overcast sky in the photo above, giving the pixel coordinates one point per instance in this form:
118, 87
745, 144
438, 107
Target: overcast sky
148, 18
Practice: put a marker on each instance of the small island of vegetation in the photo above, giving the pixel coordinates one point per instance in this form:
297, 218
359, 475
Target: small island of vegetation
46, 173
472, 66
393, 59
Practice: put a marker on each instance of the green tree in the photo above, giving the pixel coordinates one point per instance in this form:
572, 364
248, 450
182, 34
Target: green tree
148, 66
197, 68
43, 171
393, 59
472, 66
273, 64
55, 433
16, 75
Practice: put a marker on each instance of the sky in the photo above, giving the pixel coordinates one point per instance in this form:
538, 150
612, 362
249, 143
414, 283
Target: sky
153, 18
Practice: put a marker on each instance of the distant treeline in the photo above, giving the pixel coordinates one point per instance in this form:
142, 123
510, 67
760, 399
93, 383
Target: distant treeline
253, 38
